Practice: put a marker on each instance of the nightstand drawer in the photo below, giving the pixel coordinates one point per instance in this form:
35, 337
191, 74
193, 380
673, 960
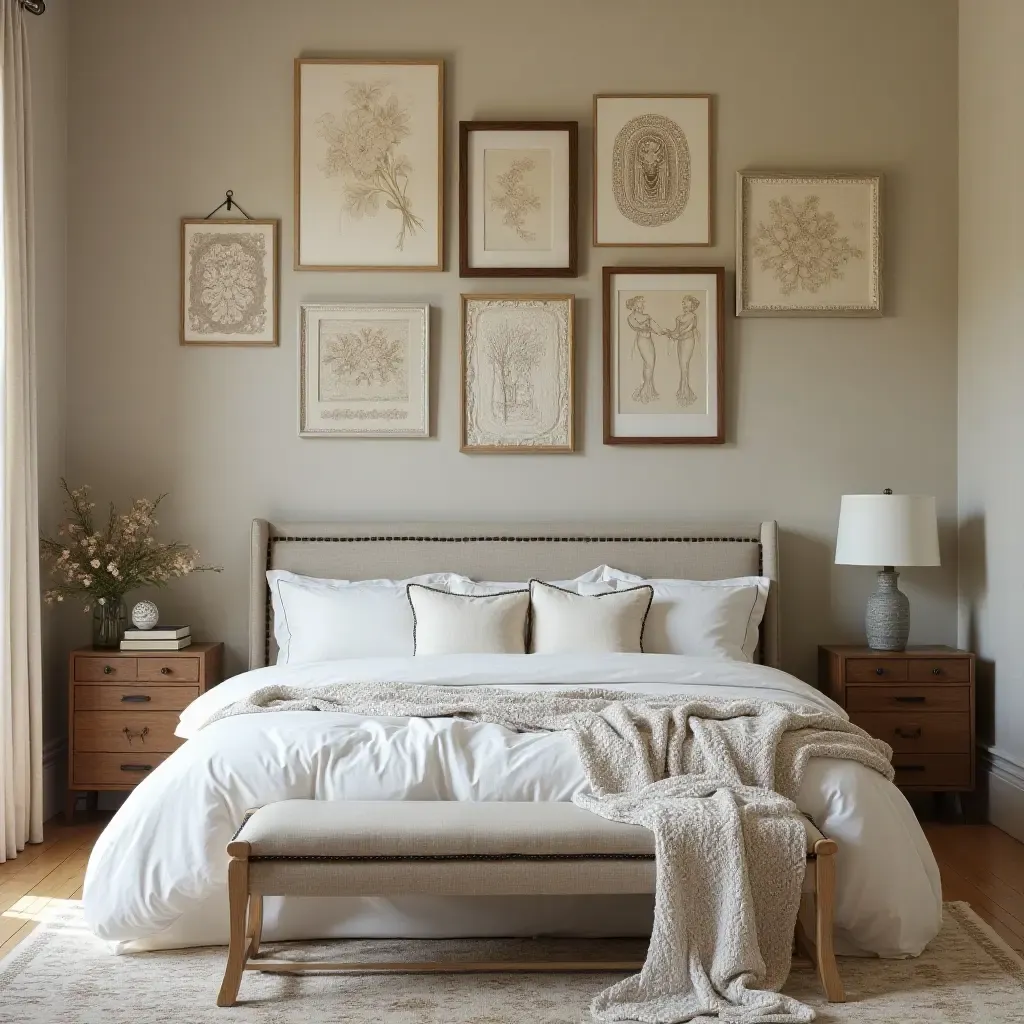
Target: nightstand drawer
96, 669
128, 698
931, 732
933, 771
118, 771
184, 670
876, 670
939, 670
908, 698
126, 731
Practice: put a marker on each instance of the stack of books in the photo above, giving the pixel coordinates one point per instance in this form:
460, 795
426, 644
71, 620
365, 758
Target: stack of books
161, 638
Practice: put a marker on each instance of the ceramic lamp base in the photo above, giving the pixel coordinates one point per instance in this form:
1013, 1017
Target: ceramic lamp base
888, 614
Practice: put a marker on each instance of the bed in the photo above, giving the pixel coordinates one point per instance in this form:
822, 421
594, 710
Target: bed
157, 875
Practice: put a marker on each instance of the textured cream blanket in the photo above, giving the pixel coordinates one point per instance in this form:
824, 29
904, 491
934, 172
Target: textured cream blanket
714, 780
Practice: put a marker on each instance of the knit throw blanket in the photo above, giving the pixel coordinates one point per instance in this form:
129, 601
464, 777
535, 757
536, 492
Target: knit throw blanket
714, 780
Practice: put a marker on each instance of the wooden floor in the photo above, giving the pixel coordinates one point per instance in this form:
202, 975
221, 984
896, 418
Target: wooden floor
979, 865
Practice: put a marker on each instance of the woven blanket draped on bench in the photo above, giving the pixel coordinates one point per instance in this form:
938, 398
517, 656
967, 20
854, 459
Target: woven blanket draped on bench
714, 780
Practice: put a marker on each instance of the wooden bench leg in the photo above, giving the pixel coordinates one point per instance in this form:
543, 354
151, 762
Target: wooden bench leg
254, 933
238, 904
824, 913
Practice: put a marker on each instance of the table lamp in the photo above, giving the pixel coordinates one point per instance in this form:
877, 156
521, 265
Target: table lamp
888, 530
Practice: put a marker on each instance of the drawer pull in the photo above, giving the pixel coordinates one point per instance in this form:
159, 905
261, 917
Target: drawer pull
136, 767
936, 671
910, 700
107, 669
879, 671
165, 670
135, 698
907, 734
140, 735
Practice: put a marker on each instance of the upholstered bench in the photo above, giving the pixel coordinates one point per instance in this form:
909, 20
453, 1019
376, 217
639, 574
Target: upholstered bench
387, 848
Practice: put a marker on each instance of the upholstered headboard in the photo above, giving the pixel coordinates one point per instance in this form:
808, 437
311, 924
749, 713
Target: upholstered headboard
498, 551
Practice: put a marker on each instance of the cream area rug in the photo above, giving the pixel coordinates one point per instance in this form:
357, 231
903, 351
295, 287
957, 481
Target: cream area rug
63, 975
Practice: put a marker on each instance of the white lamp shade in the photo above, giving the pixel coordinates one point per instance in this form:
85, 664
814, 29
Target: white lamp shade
887, 529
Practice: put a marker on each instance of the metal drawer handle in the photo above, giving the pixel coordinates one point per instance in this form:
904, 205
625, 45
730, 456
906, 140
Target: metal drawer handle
909, 734
936, 671
879, 671
135, 698
910, 700
165, 671
107, 669
141, 735
136, 767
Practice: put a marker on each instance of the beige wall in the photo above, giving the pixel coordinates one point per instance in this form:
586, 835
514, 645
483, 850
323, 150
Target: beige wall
172, 103
48, 59
991, 432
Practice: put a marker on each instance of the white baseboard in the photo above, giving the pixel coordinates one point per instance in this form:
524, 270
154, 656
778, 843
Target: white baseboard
1005, 790
55, 774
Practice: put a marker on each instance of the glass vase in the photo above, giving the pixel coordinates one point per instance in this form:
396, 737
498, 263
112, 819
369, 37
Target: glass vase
109, 621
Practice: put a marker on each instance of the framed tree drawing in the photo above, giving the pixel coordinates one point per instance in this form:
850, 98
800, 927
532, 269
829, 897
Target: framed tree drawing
369, 154
652, 170
517, 198
664, 342
229, 281
364, 370
808, 244
517, 373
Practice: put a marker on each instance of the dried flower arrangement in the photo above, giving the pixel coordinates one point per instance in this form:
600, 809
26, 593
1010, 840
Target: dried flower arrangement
103, 563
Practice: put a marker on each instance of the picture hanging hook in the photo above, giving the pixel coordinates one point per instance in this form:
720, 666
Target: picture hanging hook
229, 201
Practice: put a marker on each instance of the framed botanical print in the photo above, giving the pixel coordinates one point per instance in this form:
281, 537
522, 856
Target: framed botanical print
652, 170
229, 282
517, 198
364, 370
664, 380
369, 154
517, 373
808, 244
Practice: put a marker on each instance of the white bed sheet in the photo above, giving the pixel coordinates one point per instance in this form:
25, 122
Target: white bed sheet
157, 876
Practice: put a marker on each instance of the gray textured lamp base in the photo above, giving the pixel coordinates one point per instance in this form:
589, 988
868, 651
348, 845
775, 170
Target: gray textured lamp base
888, 614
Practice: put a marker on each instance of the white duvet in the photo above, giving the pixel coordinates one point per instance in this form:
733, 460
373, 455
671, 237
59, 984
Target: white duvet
157, 877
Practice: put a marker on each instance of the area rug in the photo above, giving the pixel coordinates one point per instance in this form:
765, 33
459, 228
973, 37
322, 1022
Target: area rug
63, 975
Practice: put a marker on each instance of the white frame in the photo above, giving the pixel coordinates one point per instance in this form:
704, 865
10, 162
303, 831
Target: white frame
309, 318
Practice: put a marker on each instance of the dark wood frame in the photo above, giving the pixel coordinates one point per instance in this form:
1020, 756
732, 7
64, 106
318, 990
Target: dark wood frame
572, 129
608, 274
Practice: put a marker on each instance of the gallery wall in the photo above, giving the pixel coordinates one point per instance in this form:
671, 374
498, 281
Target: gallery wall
172, 103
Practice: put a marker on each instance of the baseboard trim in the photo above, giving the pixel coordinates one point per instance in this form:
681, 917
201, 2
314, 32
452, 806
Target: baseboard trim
55, 756
1005, 790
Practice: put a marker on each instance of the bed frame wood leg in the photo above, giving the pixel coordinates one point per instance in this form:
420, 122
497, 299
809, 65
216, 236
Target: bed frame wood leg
825, 851
238, 905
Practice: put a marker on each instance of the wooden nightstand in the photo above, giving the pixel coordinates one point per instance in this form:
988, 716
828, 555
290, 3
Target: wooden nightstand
920, 701
123, 708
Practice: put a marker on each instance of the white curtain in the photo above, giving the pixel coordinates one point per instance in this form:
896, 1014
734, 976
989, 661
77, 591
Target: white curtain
21, 691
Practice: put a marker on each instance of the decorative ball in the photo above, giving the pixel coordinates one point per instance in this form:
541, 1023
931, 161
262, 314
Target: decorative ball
145, 615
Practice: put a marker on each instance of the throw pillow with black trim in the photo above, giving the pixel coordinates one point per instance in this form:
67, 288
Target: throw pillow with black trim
446, 623
564, 622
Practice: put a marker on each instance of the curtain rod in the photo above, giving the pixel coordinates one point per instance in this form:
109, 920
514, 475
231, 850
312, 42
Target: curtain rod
33, 6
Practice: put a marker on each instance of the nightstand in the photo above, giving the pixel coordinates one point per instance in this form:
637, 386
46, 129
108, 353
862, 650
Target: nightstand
920, 701
123, 708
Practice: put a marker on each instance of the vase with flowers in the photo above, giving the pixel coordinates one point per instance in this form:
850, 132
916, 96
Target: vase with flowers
101, 562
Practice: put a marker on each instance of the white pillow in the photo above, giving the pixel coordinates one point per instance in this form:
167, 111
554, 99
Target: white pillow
708, 618
568, 623
321, 620
596, 581
468, 624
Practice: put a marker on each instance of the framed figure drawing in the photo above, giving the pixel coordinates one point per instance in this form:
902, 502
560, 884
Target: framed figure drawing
368, 164
364, 370
517, 373
808, 244
229, 282
652, 170
664, 355
517, 198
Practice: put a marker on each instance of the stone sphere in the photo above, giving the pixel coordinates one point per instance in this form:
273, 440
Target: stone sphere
145, 615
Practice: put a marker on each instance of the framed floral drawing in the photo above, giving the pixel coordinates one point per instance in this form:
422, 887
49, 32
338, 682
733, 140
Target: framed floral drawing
517, 198
229, 282
369, 155
664, 355
808, 244
364, 370
517, 373
652, 170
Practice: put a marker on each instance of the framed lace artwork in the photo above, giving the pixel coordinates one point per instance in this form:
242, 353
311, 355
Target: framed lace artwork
517, 373
808, 244
517, 198
664, 341
652, 170
364, 370
369, 158
229, 282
